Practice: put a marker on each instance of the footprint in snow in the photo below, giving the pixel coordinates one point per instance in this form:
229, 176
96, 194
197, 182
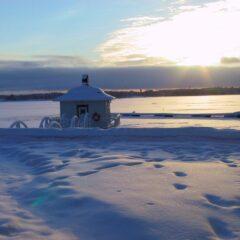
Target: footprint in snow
180, 186
158, 165
232, 165
150, 203
227, 161
180, 174
221, 202
221, 229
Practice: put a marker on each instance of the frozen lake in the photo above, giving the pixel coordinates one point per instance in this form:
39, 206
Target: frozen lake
191, 104
32, 111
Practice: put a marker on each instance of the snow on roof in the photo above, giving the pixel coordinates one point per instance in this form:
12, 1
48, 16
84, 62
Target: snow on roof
85, 93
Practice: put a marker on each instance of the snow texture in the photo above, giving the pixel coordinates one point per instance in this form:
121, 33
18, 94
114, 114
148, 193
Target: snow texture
120, 184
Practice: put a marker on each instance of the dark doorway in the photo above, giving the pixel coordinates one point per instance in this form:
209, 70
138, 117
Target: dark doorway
82, 109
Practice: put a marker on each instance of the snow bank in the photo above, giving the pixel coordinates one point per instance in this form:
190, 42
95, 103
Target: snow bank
183, 133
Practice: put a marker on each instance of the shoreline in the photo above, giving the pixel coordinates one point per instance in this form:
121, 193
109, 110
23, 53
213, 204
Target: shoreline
218, 91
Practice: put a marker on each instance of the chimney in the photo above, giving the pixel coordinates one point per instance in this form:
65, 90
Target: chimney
85, 79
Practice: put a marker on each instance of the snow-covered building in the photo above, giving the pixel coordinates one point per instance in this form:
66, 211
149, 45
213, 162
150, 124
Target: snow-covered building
87, 101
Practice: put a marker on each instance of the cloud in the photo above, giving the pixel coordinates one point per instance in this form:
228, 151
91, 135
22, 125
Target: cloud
17, 64
194, 35
230, 60
62, 61
140, 21
45, 61
118, 78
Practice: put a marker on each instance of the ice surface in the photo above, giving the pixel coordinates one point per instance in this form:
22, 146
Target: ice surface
31, 112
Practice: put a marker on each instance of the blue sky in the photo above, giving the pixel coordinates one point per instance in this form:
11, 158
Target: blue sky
65, 27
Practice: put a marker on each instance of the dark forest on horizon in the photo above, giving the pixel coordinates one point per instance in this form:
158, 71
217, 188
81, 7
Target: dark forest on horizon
131, 93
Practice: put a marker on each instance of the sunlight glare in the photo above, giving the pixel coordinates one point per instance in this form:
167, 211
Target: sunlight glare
195, 36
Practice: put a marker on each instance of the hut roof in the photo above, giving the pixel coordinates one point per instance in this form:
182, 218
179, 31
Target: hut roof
85, 93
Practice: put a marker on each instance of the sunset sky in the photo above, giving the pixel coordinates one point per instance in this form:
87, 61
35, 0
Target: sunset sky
119, 33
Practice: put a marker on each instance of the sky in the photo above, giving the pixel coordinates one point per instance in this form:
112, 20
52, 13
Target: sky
39, 39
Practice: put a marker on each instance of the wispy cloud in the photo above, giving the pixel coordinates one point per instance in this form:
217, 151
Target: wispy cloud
44, 61
194, 35
141, 21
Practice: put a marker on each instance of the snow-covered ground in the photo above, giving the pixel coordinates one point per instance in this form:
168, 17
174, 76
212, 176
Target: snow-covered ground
113, 187
126, 183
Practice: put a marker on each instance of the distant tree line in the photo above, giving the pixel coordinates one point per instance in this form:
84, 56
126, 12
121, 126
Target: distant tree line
132, 93
31, 96
176, 92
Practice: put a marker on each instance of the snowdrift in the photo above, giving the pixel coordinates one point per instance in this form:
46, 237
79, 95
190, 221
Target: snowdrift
183, 133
